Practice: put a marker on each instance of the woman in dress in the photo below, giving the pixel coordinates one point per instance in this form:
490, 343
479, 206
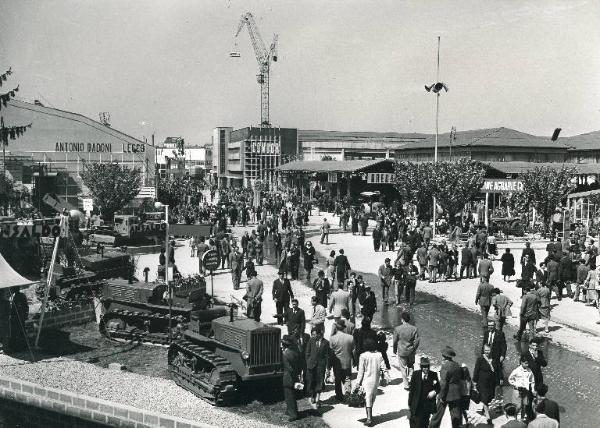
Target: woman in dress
484, 379
371, 366
508, 265
330, 270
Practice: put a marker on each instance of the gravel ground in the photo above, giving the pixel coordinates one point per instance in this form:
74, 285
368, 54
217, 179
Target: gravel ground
159, 395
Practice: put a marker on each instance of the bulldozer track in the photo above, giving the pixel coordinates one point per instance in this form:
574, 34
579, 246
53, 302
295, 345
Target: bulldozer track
202, 372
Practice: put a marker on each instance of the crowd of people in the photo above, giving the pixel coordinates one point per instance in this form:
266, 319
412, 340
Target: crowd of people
339, 293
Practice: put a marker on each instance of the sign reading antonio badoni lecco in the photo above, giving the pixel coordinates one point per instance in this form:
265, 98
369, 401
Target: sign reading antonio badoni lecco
501, 185
78, 147
210, 260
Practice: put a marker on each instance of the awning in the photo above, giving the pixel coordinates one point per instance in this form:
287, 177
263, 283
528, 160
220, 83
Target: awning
347, 166
10, 278
583, 194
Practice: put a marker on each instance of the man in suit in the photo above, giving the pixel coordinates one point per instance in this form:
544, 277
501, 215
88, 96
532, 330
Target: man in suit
340, 300
554, 273
536, 360
485, 268
450, 390
405, 345
465, 262
541, 419
510, 409
236, 263
341, 344
342, 267
225, 250
282, 293
254, 291
385, 278
295, 318
317, 355
424, 386
528, 314
483, 298
551, 408
290, 360
496, 340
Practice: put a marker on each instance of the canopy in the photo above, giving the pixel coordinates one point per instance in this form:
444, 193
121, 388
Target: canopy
10, 278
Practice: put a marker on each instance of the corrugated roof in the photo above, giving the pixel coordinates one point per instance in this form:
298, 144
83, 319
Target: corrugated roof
498, 137
75, 117
588, 141
389, 137
330, 166
519, 167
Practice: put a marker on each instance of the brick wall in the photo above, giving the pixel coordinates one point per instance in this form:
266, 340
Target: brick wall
59, 319
68, 409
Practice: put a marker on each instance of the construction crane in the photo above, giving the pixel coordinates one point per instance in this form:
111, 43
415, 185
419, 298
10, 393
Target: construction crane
263, 57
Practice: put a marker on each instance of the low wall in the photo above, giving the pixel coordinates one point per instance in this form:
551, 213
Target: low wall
56, 320
37, 404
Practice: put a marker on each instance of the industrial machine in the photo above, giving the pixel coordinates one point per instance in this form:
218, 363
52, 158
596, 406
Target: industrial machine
212, 366
70, 283
139, 311
263, 57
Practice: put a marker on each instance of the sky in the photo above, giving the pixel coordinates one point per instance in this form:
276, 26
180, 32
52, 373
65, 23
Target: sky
163, 67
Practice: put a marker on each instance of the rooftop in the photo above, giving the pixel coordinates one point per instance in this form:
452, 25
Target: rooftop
329, 166
588, 141
520, 167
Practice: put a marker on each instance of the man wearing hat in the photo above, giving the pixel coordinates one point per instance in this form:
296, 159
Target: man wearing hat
424, 386
450, 390
290, 360
369, 303
341, 345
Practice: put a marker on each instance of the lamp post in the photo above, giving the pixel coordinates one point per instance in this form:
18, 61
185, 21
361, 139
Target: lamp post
436, 88
158, 206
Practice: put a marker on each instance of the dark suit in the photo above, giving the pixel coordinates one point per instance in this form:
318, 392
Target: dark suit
536, 364
282, 293
295, 320
498, 350
316, 363
290, 360
551, 409
421, 407
450, 394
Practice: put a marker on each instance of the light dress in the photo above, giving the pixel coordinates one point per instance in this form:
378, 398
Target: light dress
370, 368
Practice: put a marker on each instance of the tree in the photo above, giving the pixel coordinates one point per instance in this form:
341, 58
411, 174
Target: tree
415, 182
457, 183
175, 190
111, 185
545, 188
327, 158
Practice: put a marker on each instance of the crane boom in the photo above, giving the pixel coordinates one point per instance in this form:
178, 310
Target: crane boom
263, 58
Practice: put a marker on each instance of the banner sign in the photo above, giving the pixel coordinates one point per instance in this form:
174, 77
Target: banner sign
264, 147
48, 228
380, 177
502, 185
147, 227
78, 147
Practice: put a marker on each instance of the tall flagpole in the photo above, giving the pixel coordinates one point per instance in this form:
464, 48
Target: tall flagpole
437, 115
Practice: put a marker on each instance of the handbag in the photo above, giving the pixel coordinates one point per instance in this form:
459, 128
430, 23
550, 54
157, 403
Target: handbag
356, 398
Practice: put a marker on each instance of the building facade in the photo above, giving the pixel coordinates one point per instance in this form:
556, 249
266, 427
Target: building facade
243, 156
59, 144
